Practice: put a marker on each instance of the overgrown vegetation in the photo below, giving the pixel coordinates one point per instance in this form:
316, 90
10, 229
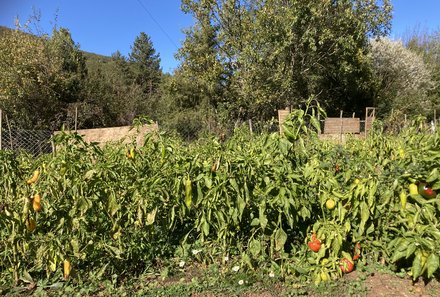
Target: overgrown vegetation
232, 211
292, 207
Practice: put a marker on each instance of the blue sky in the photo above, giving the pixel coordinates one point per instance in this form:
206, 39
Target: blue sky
104, 27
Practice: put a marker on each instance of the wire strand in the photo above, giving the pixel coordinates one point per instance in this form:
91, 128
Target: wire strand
157, 23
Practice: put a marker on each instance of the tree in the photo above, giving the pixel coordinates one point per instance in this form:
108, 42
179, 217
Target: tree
402, 79
73, 70
122, 66
40, 77
276, 53
146, 64
427, 45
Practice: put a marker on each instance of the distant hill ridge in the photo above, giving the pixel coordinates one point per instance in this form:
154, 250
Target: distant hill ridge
93, 60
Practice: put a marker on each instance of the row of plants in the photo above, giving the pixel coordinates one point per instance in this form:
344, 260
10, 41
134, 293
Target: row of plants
291, 206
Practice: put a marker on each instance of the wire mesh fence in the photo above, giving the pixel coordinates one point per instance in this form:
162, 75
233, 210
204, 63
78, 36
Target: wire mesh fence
35, 142
38, 142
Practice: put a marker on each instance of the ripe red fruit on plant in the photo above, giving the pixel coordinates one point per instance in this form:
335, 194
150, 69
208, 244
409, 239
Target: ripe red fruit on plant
347, 266
314, 245
426, 191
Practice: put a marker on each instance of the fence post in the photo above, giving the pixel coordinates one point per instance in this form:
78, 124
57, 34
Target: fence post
10, 133
250, 126
1, 128
76, 118
319, 122
342, 124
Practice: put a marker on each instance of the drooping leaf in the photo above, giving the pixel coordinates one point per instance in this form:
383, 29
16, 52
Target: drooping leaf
433, 264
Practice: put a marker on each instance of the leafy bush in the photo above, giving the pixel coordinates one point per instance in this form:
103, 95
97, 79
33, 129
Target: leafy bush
253, 201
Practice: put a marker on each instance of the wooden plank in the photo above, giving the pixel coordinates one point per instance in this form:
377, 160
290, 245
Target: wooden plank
344, 125
282, 115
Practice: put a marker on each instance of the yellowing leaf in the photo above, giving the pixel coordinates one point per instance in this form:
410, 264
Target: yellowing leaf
151, 217
280, 239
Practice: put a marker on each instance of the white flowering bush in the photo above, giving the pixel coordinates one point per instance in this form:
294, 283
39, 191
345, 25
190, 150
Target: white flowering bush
402, 79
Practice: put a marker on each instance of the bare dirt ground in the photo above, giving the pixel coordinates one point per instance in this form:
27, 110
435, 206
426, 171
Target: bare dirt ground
387, 285
354, 284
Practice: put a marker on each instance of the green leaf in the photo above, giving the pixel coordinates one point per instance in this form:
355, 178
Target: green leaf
234, 185
398, 255
255, 222
370, 229
245, 258
188, 192
410, 250
241, 205
255, 247
262, 217
305, 213
433, 264
433, 176
75, 247
280, 239
26, 277
315, 123
336, 245
205, 227
89, 174
416, 268
365, 214
113, 205
208, 182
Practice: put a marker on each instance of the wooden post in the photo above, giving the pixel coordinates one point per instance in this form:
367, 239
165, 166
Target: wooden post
282, 114
76, 118
319, 122
250, 126
342, 124
10, 133
1, 129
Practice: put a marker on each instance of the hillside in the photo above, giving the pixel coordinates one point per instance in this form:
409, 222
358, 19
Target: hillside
93, 61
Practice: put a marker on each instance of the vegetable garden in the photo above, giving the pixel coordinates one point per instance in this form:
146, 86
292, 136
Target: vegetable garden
292, 205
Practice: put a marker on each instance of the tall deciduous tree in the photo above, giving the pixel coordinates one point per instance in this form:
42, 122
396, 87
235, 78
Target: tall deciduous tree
40, 77
272, 53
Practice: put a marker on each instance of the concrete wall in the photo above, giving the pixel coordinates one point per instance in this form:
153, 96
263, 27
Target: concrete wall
114, 134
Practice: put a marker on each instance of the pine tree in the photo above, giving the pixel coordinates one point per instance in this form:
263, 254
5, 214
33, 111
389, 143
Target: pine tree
146, 63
